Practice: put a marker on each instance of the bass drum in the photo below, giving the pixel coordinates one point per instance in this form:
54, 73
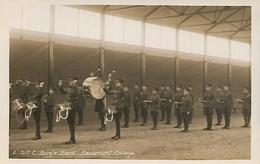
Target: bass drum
95, 86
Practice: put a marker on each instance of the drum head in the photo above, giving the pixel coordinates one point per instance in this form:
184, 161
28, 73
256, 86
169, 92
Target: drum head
87, 82
97, 88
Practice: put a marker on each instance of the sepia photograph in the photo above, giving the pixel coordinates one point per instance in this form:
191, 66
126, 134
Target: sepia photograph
130, 82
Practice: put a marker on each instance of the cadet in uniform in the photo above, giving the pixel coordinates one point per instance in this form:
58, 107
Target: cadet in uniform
136, 102
177, 99
127, 106
118, 102
227, 106
186, 108
246, 101
73, 98
193, 101
167, 95
154, 106
162, 104
23, 93
49, 105
219, 105
208, 106
37, 97
144, 106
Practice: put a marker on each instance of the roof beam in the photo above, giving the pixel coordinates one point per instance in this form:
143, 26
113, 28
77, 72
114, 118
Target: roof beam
185, 8
233, 25
241, 37
192, 14
222, 20
151, 12
173, 9
226, 31
242, 29
205, 12
123, 8
204, 24
105, 8
205, 17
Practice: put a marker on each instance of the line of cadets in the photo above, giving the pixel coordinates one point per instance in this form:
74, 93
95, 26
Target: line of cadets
158, 100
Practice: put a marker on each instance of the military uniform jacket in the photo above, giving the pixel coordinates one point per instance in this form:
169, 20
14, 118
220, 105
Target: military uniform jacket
209, 98
219, 99
127, 99
72, 95
23, 92
143, 96
118, 97
192, 97
136, 96
168, 96
247, 102
162, 95
49, 102
228, 100
177, 98
186, 103
37, 97
155, 104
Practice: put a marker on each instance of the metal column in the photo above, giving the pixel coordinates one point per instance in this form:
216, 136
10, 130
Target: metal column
50, 83
102, 62
176, 61
142, 64
229, 66
205, 65
102, 50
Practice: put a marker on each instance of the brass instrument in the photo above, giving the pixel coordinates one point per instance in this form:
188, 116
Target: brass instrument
240, 100
169, 100
63, 107
30, 106
220, 101
201, 100
109, 114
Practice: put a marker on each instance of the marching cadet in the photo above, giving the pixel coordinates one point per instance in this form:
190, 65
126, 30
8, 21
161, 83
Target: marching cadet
227, 106
162, 104
193, 101
154, 106
118, 102
246, 101
186, 108
136, 102
219, 105
177, 99
144, 106
73, 98
37, 97
127, 106
168, 104
208, 106
48, 102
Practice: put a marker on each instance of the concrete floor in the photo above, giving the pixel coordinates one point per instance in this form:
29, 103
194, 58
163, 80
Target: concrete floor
136, 143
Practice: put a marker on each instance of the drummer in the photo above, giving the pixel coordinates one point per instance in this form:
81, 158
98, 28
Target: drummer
22, 93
